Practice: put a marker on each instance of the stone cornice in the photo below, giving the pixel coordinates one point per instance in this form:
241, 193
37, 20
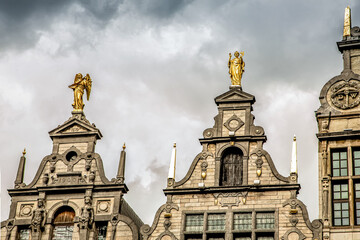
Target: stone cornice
249, 188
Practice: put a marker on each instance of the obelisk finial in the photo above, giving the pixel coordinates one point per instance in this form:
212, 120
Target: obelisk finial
294, 156
172, 168
347, 22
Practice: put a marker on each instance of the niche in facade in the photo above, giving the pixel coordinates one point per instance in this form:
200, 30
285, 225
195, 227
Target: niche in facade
231, 172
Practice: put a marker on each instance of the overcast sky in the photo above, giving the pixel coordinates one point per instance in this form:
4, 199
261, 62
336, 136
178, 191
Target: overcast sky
156, 67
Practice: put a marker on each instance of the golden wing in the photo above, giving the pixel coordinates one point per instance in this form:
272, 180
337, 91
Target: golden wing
88, 86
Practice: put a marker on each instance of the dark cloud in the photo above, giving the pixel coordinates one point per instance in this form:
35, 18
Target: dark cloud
160, 9
22, 22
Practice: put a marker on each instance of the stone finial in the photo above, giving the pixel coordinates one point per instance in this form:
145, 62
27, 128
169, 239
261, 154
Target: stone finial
294, 156
172, 163
120, 177
19, 181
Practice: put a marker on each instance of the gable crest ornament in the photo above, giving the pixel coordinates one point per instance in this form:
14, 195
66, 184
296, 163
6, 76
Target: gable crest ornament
236, 68
345, 94
80, 84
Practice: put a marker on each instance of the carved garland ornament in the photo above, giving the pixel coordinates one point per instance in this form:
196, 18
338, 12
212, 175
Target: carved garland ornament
345, 94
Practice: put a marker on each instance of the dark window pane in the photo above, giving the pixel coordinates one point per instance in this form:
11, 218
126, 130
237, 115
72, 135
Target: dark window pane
336, 172
101, 230
193, 237
335, 156
24, 234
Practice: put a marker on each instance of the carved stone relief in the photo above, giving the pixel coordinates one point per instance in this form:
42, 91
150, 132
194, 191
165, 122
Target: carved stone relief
208, 133
103, 206
229, 199
234, 123
26, 210
74, 128
345, 94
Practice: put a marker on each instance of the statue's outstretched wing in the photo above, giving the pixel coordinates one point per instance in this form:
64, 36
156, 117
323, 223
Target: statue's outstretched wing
88, 86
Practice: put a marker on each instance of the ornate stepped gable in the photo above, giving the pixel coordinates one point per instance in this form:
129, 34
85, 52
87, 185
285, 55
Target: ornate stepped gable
70, 197
232, 189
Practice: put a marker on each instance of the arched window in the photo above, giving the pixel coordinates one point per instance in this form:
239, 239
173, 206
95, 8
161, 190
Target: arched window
63, 223
231, 172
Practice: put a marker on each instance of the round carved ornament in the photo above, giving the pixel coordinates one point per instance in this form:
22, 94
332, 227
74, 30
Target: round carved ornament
26, 211
345, 94
208, 133
103, 206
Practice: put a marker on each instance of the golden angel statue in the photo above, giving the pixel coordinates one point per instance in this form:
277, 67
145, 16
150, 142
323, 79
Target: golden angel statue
236, 68
80, 83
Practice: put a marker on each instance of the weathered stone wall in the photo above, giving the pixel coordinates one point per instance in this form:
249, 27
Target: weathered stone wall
259, 201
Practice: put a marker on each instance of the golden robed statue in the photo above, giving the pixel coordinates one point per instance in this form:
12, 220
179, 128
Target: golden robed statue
236, 68
80, 83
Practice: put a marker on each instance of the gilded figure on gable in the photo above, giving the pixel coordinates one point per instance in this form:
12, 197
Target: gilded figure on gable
236, 68
80, 84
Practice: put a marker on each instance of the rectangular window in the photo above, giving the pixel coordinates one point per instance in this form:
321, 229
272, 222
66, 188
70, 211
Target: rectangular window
63, 232
215, 237
242, 221
194, 223
339, 163
265, 238
265, 220
242, 238
356, 158
357, 203
24, 234
216, 222
341, 204
101, 229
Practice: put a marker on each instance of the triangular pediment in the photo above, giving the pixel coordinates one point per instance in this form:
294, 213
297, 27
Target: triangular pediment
75, 127
235, 95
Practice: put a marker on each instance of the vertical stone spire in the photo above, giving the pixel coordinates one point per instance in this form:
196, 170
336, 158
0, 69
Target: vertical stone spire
347, 23
172, 164
21, 171
294, 156
120, 177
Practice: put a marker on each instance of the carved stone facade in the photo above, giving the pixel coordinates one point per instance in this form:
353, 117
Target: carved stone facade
232, 186
339, 140
70, 196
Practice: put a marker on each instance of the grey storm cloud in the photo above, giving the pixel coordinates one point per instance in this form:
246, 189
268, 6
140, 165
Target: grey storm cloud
21, 21
156, 67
